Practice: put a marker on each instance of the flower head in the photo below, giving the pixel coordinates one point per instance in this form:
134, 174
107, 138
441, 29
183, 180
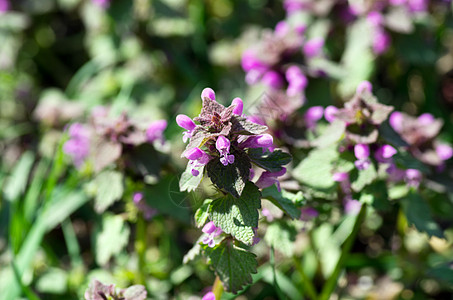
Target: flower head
155, 131
211, 232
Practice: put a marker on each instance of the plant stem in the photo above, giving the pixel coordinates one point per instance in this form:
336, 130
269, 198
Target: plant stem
274, 274
309, 287
217, 288
140, 247
331, 283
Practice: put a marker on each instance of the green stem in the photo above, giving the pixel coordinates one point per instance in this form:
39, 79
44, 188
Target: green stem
217, 288
331, 283
140, 247
309, 287
274, 274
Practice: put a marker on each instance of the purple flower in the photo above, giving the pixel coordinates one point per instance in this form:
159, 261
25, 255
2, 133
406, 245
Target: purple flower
313, 47
308, 213
272, 79
444, 152
418, 5
239, 106
313, 115
266, 213
209, 296
258, 141
155, 131
4, 6
292, 6
250, 62
364, 86
381, 41
186, 123
330, 112
425, 119
269, 178
208, 93
384, 153
352, 207
362, 152
396, 121
78, 146
297, 81
413, 177
148, 212
212, 232
340, 176
198, 158
282, 28
375, 18
102, 3
223, 146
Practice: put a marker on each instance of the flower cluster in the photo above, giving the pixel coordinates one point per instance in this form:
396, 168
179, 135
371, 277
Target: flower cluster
421, 136
223, 142
99, 291
106, 138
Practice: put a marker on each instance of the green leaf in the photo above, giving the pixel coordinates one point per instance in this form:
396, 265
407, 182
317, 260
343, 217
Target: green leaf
109, 188
284, 200
54, 281
202, 213
17, 182
232, 177
316, 169
332, 134
238, 216
443, 273
418, 213
364, 178
406, 161
232, 264
243, 126
135, 292
111, 239
281, 235
270, 161
188, 182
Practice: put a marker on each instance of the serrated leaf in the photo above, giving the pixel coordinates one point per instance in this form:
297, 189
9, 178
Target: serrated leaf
135, 292
238, 216
111, 239
281, 236
105, 153
284, 200
243, 126
317, 168
232, 177
232, 264
109, 188
195, 251
364, 178
188, 182
417, 212
270, 161
332, 134
202, 213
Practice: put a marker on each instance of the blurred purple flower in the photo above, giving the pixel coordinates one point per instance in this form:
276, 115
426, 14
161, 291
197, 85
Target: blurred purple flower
329, 113
198, 158
186, 123
140, 203
384, 153
313, 47
4, 6
413, 177
352, 207
258, 141
445, 152
381, 41
425, 119
155, 131
78, 145
364, 86
269, 178
272, 79
340, 176
313, 115
102, 3
362, 152
308, 213
297, 81
209, 296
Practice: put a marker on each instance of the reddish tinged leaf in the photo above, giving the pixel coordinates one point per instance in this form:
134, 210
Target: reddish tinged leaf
105, 153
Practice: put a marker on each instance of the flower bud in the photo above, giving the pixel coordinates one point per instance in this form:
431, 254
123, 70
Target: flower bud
425, 119
223, 145
361, 151
340, 176
194, 153
185, 122
209, 228
396, 121
364, 86
155, 130
239, 106
329, 113
313, 47
208, 93
272, 79
444, 151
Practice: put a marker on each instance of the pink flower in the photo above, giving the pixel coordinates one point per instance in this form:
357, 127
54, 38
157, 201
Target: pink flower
4, 6
413, 177
381, 41
258, 141
208, 93
308, 213
198, 158
223, 146
239, 106
329, 113
384, 153
272, 79
102, 3
186, 123
313, 47
445, 152
269, 178
209, 296
313, 115
340, 176
297, 81
364, 86
396, 121
425, 119
78, 145
361, 151
212, 232
140, 203
155, 131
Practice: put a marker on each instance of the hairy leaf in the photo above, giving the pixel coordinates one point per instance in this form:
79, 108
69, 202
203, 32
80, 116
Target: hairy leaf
281, 235
243, 126
284, 200
232, 264
111, 239
202, 213
109, 188
364, 178
232, 177
188, 182
270, 161
417, 212
238, 216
